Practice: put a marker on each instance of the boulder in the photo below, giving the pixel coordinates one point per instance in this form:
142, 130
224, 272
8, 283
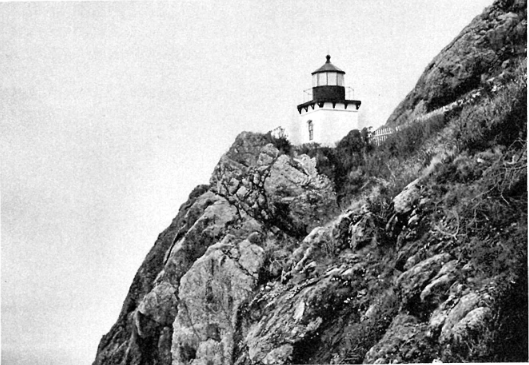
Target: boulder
438, 288
406, 200
313, 248
472, 324
363, 232
412, 282
465, 305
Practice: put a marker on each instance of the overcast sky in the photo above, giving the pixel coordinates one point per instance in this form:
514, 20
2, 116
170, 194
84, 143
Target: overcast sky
111, 112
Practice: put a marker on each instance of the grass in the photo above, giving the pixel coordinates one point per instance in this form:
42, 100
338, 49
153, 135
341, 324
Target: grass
473, 162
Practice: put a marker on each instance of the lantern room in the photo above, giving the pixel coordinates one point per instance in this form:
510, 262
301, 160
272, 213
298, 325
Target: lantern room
328, 75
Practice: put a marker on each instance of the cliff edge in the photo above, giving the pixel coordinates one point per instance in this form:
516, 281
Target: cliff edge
414, 250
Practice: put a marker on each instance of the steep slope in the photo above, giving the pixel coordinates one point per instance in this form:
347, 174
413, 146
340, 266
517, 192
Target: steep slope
478, 55
425, 260
256, 195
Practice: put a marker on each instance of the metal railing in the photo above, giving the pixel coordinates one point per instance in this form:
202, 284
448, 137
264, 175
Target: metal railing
349, 94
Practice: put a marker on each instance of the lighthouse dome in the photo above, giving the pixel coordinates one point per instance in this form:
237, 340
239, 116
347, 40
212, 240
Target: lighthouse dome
328, 67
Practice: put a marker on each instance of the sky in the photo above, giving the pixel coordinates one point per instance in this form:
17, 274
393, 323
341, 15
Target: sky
111, 112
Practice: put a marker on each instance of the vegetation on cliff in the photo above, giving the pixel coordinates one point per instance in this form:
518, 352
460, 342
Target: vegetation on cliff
469, 61
414, 250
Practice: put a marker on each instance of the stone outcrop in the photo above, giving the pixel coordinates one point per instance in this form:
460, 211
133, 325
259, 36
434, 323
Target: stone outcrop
210, 297
261, 266
404, 342
255, 196
276, 189
480, 52
412, 282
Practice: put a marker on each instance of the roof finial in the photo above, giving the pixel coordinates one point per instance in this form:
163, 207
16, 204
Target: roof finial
328, 59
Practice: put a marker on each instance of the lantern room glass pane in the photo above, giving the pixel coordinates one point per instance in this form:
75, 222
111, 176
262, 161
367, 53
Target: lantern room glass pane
322, 79
332, 78
340, 80
314, 80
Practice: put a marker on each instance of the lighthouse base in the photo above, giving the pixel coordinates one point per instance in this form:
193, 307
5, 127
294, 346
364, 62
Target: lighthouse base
325, 125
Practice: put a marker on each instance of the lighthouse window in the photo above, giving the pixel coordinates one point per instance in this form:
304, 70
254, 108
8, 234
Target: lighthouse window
340, 80
332, 78
322, 79
311, 130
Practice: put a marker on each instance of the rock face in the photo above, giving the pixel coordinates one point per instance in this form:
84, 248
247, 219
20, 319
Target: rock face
183, 304
473, 57
211, 295
272, 188
261, 266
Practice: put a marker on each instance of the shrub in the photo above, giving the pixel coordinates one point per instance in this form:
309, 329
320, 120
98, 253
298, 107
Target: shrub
498, 119
493, 212
280, 141
406, 141
327, 162
360, 337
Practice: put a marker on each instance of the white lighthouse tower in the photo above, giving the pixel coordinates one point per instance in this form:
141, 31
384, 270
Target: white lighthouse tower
328, 116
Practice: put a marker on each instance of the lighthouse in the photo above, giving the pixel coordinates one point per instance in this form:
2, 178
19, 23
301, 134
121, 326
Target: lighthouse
329, 115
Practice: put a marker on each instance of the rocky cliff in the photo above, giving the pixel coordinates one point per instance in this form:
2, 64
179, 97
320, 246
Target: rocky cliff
424, 260
476, 57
